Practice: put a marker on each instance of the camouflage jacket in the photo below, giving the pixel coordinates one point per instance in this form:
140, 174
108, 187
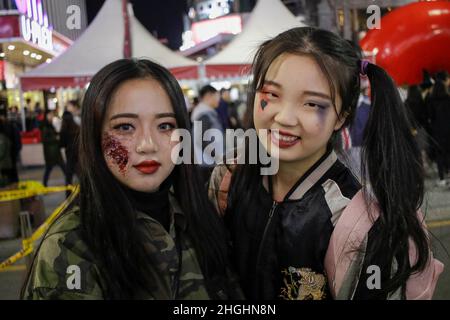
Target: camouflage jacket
63, 256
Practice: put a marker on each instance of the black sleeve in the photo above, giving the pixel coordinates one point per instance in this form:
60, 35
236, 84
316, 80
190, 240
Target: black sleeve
13, 134
63, 139
207, 123
362, 291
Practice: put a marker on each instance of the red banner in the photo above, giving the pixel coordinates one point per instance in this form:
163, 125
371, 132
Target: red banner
228, 70
9, 26
127, 38
2, 70
40, 83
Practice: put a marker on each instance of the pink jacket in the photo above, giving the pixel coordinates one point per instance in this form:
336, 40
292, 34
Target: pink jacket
350, 232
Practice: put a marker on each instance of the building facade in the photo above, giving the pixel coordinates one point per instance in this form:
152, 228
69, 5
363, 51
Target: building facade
346, 17
34, 32
211, 24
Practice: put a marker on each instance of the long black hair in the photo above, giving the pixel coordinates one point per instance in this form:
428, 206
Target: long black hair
108, 221
391, 160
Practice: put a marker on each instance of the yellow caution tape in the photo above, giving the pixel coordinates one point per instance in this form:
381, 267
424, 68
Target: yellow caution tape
17, 256
28, 189
28, 243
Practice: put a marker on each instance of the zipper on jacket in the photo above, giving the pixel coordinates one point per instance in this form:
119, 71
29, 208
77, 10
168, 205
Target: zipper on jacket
266, 228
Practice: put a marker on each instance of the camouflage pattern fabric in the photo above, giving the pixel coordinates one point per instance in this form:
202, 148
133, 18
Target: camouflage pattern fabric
63, 255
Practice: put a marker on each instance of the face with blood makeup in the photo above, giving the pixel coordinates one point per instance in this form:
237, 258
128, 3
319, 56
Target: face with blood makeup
295, 105
136, 135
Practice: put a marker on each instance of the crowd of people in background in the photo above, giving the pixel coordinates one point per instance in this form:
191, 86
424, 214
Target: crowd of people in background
429, 107
229, 111
56, 133
429, 104
60, 133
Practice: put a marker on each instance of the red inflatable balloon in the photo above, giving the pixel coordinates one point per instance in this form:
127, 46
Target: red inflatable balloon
412, 38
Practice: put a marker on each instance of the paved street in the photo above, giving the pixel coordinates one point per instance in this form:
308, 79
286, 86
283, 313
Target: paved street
436, 208
12, 279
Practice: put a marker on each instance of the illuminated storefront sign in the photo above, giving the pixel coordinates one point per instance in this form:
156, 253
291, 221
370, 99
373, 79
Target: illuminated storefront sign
34, 23
207, 29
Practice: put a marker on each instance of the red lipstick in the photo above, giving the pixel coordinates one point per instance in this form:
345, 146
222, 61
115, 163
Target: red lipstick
284, 139
285, 133
148, 167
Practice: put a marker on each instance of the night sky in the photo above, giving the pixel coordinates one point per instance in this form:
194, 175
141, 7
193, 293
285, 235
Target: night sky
161, 18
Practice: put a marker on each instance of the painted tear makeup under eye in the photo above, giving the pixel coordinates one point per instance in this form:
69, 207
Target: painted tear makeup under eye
264, 100
114, 150
322, 112
263, 104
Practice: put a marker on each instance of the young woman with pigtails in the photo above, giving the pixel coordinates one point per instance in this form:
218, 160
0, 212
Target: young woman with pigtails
312, 230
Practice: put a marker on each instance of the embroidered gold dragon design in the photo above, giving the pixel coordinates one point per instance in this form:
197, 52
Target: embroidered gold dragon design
303, 284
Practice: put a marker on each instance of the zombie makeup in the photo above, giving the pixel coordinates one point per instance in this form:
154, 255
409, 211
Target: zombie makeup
115, 151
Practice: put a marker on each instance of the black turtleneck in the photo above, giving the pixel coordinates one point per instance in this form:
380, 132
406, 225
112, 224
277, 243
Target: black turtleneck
155, 204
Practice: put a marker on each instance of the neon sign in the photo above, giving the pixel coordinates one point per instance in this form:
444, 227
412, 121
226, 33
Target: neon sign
34, 23
207, 29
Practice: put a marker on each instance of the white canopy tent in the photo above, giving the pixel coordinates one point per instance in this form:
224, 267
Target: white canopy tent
100, 44
268, 19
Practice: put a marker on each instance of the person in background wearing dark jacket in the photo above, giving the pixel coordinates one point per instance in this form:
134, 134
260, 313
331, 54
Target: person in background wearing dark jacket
425, 87
223, 108
416, 106
12, 134
5, 148
206, 114
74, 108
69, 141
52, 151
357, 131
440, 126
14, 117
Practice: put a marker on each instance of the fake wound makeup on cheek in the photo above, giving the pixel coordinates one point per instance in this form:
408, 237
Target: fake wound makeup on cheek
114, 150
